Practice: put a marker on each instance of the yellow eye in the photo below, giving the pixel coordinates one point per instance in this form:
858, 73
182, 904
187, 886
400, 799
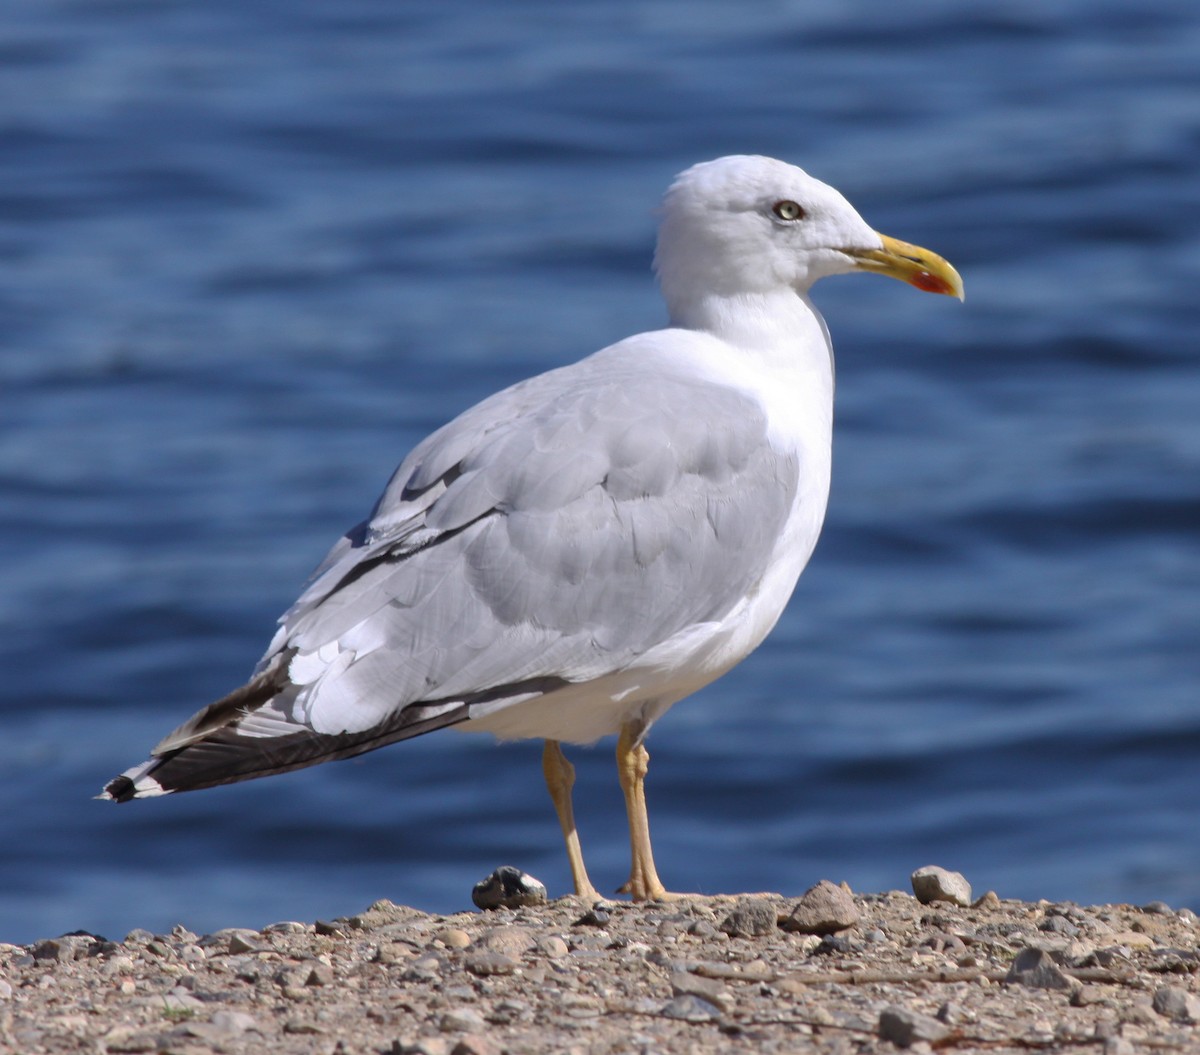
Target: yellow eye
787, 210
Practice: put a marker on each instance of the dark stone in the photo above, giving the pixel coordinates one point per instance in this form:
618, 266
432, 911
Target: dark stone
834, 945
594, 917
508, 887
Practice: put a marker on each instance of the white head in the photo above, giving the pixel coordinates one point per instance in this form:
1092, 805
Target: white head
745, 225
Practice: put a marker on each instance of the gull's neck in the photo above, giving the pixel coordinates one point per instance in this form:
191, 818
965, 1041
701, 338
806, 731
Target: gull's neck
776, 327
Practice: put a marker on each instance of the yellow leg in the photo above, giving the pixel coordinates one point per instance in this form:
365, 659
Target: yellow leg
560, 779
633, 760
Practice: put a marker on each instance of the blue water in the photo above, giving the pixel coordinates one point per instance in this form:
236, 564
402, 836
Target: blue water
251, 253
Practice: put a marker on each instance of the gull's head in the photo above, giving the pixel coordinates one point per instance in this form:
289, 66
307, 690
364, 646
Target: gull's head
746, 225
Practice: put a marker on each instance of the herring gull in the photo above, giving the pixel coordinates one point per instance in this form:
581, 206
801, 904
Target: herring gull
578, 552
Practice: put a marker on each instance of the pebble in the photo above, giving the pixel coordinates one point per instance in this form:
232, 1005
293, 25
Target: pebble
553, 947
475, 1044
485, 964
684, 983
1177, 1004
462, 1020
453, 938
904, 1028
594, 917
510, 940
508, 887
690, 1008
823, 909
932, 883
673, 978
751, 918
423, 1046
1036, 969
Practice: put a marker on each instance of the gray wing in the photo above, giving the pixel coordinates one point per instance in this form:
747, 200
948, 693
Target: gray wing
574, 524
550, 535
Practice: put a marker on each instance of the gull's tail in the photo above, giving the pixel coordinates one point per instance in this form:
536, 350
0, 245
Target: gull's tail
255, 731
251, 733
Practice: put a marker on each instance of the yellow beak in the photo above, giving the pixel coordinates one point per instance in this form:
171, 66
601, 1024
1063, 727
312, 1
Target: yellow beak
912, 264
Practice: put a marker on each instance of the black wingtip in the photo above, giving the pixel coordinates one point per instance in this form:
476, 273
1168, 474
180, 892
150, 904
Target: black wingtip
119, 789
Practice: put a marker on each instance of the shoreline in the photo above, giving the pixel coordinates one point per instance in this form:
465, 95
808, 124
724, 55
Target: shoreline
758, 973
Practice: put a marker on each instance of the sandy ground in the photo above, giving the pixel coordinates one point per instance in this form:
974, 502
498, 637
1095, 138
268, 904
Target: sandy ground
693, 975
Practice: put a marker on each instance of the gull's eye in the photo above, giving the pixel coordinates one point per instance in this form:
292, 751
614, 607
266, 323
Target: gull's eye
787, 210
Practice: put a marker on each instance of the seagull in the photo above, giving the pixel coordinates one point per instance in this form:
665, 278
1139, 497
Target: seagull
575, 554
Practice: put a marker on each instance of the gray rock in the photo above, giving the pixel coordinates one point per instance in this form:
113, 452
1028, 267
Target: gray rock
1059, 925
312, 973
1177, 1004
684, 983
905, 1028
822, 909
690, 1008
233, 1022
57, 950
553, 947
932, 883
1036, 969
750, 919
286, 926
462, 1020
508, 887
484, 964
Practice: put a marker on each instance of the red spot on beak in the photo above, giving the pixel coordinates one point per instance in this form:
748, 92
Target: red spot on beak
931, 283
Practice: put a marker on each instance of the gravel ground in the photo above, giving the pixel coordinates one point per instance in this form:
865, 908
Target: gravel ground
881, 972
